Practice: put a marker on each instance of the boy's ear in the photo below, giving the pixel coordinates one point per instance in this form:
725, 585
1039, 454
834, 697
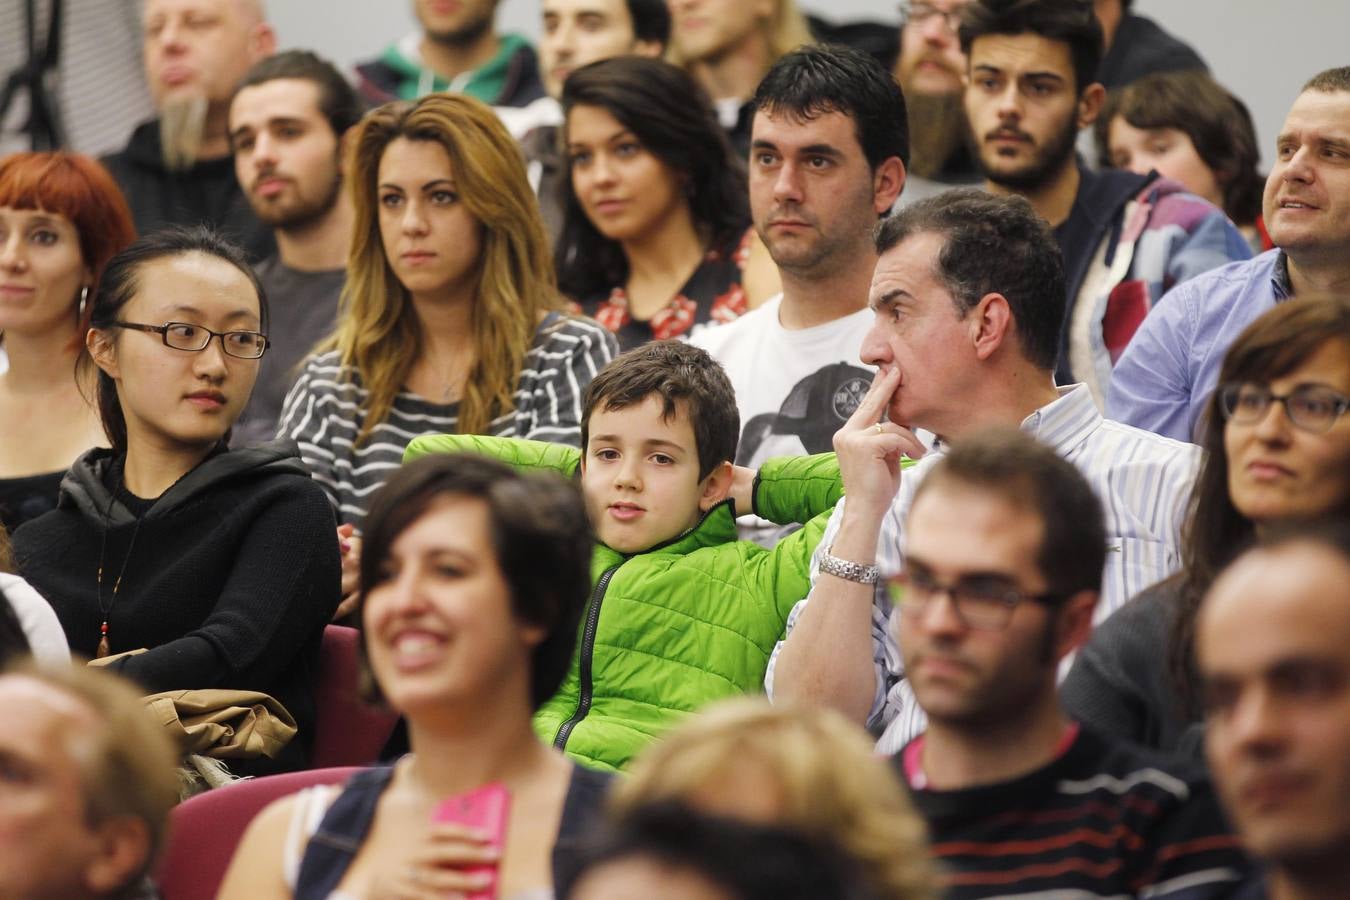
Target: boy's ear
715, 487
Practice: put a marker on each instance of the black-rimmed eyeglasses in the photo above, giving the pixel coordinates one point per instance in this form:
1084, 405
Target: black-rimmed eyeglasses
194, 338
980, 602
1311, 407
917, 12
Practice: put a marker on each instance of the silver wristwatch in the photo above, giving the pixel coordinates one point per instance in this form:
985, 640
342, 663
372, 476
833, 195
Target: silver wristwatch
849, 571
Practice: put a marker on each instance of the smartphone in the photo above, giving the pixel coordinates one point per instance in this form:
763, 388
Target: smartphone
485, 809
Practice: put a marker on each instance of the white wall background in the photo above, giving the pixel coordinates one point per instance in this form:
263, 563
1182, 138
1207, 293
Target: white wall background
1260, 50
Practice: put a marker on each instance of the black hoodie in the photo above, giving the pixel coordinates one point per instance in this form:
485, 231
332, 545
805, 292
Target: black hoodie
233, 573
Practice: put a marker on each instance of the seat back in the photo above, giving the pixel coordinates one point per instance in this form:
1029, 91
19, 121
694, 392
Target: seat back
204, 830
347, 732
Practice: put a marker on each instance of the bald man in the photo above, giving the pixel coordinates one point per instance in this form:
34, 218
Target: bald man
1273, 653
177, 169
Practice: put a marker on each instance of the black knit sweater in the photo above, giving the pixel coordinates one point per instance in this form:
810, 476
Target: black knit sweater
233, 574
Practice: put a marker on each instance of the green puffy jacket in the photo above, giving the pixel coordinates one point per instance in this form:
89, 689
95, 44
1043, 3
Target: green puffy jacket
684, 623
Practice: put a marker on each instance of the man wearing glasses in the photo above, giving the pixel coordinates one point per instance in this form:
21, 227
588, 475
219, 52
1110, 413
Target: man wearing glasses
968, 303
930, 70
997, 584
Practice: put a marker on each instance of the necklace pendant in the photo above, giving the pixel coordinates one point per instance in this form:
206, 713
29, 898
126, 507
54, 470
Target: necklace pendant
103, 648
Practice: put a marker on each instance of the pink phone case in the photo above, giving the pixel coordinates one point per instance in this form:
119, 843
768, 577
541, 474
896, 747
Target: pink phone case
486, 809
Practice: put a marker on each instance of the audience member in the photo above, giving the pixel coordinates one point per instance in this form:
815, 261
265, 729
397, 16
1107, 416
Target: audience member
1274, 652
968, 299
656, 225
287, 122
1020, 799
176, 169
577, 33
237, 570
448, 320
1126, 238
729, 46
830, 149
931, 70
89, 782
61, 220
668, 852
472, 588
1135, 46
801, 767
459, 51
1191, 130
88, 90
690, 615
29, 615
1165, 378
1277, 447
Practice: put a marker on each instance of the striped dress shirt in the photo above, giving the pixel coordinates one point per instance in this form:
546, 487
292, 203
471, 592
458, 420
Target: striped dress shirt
326, 409
1144, 483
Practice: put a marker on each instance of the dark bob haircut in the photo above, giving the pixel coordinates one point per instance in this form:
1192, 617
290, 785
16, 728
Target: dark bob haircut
672, 119
539, 534
121, 282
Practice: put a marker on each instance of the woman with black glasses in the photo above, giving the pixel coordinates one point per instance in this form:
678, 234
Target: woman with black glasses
206, 567
1277, 438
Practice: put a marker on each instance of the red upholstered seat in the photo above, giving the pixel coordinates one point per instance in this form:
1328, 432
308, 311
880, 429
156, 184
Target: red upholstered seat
348, 732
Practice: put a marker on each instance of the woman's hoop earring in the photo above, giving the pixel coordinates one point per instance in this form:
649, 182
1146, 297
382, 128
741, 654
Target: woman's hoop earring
84, 302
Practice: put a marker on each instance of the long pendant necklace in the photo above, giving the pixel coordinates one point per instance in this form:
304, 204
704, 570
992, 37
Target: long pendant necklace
104, 612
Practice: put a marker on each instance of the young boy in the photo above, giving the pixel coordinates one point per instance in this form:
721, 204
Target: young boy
681, 613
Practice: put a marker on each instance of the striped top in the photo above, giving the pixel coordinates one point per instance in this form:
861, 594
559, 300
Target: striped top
1099, 821
1144, 484
326, 409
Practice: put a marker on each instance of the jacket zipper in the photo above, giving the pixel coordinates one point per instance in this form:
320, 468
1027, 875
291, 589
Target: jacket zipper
584, 673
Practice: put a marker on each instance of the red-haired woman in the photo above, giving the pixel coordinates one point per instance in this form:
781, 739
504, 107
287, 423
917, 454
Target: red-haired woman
61, 219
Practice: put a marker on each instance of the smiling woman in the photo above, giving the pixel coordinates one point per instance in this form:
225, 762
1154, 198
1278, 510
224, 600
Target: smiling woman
207, 568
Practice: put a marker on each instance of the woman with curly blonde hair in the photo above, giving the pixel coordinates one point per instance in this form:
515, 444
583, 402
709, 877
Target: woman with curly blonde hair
801, 767
450, 319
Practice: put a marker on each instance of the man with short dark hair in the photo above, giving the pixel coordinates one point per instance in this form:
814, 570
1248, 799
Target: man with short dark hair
88, 780
828, 159
1273, 654
997, 584
1126, 238
176, 170
287, 122
931, 70
1164, 380
577, 32
458, 50
967, 300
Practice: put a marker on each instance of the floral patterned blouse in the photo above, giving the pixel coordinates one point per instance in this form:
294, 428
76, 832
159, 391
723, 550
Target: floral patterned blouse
712, 296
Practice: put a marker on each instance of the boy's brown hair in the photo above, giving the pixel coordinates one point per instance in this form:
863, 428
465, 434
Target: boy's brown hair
686, 379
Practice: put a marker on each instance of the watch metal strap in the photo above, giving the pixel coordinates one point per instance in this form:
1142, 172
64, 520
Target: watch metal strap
849, 571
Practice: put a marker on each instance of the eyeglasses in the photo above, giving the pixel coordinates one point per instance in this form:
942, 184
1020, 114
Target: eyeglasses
194, 338
1309, 406
912, 13
982, 602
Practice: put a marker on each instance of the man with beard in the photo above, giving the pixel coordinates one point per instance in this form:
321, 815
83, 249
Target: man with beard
457, 51
1126, 238
176, 169
930, 70
287, 123
997, 584
828, 155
